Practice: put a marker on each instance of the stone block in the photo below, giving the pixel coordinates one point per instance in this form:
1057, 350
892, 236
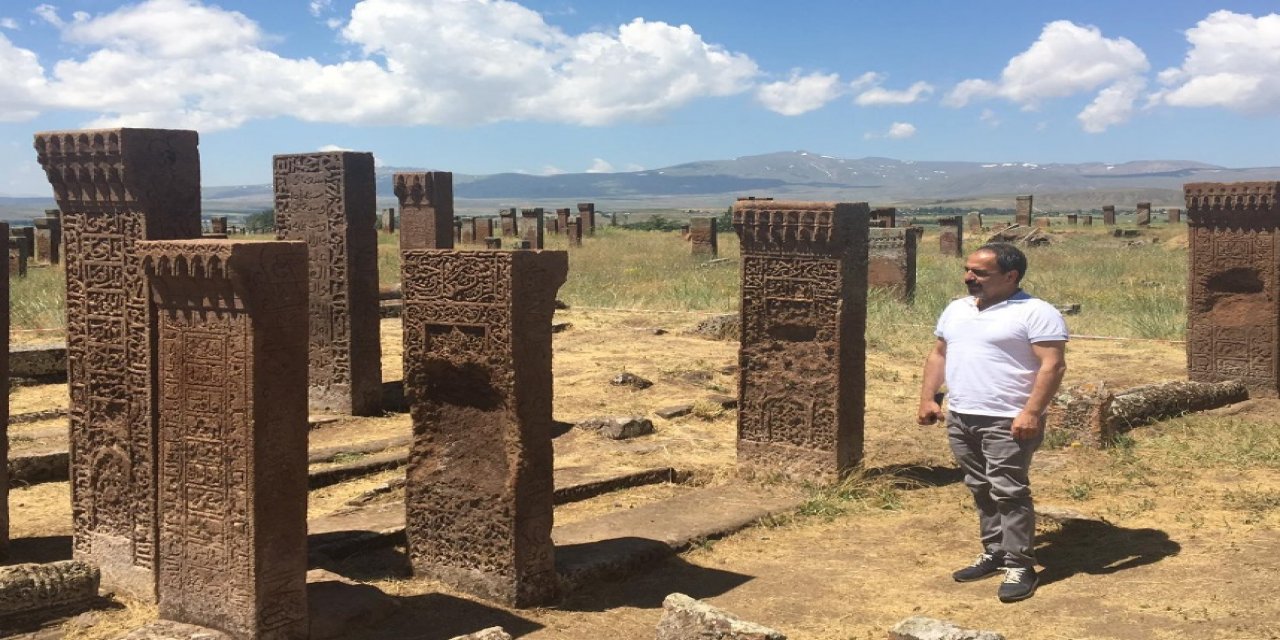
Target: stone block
1022, 214
922, 628
618, 428
1143, 214
48, 242
684, 618
492, 633
891, 261
426, 209
587, 211
951, 236
703, 237
532, 224
1109, 214
29, 591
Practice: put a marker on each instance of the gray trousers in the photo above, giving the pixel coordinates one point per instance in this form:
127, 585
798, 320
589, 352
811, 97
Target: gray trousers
995, 469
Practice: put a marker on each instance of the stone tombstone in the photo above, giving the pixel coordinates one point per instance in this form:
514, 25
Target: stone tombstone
1143, 214
803, 351
426, 209
891, 261
469, 231
1087, 220
974, 222
493, 242
507, 218
1073, 219
532, 224
1043, 222
575, 232
703, 237
17, 257
28, 237
950, 236
562, 220
888, 216
1233, 284
4, 404
479, 487
587, 211
218, 224
484, 229
48, 240
389, 220
1022, 215
1109, 215
232, 436
457, 231
327, 200
116, 187
553, 227
1173, 216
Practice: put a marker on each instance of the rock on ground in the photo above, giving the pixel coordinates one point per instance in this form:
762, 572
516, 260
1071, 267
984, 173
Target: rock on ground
492, 633
339, 607
684, 618
618, 428
169, 630
722, 327
922, 628
32, 590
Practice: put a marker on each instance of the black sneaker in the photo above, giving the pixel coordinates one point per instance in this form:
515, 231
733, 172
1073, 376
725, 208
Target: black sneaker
985, 566
1019, 584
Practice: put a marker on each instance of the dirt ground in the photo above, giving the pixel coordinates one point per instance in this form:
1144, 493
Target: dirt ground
1162, 553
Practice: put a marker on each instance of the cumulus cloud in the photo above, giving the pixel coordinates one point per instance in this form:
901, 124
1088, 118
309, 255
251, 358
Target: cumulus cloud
1113, 105
989, 118
332, 147
318, 7
600, 165
22, 85
185, 63
1233, 63
877, 96
800, 93
9, 23
897, 131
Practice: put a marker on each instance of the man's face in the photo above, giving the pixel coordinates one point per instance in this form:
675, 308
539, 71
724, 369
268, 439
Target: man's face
984, 280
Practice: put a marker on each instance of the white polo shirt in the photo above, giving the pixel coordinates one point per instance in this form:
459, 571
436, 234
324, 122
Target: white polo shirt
990, 365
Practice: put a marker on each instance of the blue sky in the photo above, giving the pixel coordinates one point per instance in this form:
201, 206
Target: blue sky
486, 86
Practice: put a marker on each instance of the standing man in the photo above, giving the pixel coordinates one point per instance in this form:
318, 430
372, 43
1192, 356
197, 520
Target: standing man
1001, 353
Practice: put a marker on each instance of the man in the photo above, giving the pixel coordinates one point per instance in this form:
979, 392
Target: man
1001, 353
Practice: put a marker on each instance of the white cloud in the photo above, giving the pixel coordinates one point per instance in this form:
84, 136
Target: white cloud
800, 93
631, 166
182, 63
868, 79
22, 84
877, 96
9, 23
1066, 60
1113, 105
318, 7
1233, 63
600, 165
551, 170
332, 147
897, 131
989, 118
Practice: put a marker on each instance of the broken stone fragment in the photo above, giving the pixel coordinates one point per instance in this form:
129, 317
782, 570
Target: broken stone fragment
722, 327
618, 428
922, 628
674, 411
492, 633
684, 618
626, 379
170, 630
32, 590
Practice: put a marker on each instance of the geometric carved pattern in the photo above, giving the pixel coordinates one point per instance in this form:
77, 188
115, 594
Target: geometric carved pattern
232, 433
702, 235
327, 200
1233, 305
1022, 215
477, 352
891, 261
116, 187
804, 289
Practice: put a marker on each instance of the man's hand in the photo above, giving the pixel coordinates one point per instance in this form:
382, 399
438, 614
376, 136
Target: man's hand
930, 412
1027, 426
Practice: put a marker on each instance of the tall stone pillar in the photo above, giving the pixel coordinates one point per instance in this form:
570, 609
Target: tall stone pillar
17, 257
574, 230
1109, 215
48, 240
1233, 284
232, 392
887, 215
116, 187
587, 211
1143, 214
951, 236
510, 225
389, 220
532, 223
891, 261
218, 224
803, 351
477, 349
1022, 215
426, 209
703, 237
562, 220
1174, 215
327, 200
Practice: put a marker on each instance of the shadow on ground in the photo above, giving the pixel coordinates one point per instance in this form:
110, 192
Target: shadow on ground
39, 549
917, 476
1096, 547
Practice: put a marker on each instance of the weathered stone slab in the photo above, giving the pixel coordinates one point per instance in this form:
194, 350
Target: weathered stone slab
218, 224
48, 242
35, 468
1143, 214
389, 218
45, 360
587, 211
1233, 284
342, 608
532, 226
27, 236
804, 292
1109, 214
509, 219
886, 216
327, 201
574, 232
426, 209
618, 427
492, 633
45, 590
1095, 415
1174, 215
703, 237
974, 222
18, 258
684, 618
951, 236
232, 433
891, 261
116, 187
922, 628
562, 219
1087, 221
1022, 214
477, 345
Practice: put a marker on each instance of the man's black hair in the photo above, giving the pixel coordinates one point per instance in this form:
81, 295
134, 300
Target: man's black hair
1008, 258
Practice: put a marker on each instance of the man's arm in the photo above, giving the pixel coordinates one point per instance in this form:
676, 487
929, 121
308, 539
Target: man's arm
1053, 364
935, 369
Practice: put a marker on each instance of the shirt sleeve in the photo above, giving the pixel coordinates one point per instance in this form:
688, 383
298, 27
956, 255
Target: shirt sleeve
1045, 324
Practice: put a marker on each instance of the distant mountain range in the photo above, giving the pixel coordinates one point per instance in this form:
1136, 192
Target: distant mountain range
803, 175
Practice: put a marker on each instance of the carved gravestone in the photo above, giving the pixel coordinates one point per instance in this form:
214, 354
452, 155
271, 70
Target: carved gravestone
389, 219
804, 293
457, 231
493, 242
1073, 219
116, 187
1174, 215
510, 226
531, 224
1109, 214
1143, 214
1088, 221
484, 229
426, 209
477, 351
562, 220
703, 237
17, 257
886, 216
27, 235
891, 261
974, 222
950, 236
327, 200
1233, 284
587, 211
1043, 222
4, 404
575, 232
48, 240
218, 224
1022, 215
553, 226
232, 434
468, 230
